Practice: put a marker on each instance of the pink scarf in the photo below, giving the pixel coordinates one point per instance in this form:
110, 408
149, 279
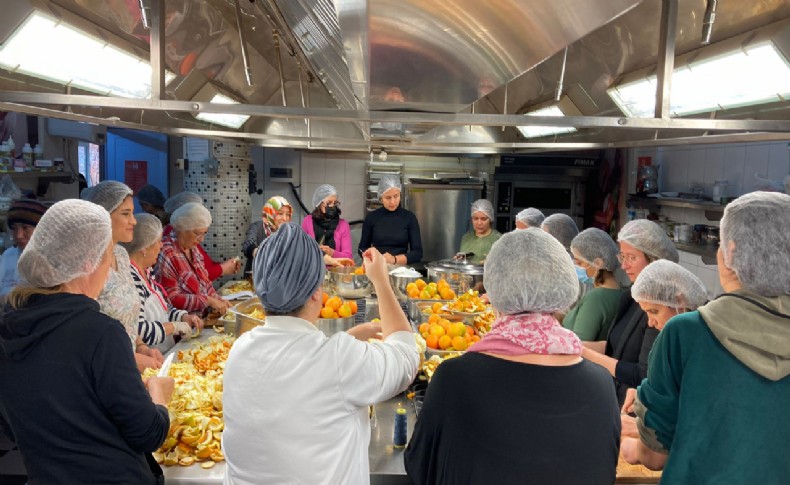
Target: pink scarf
528, 333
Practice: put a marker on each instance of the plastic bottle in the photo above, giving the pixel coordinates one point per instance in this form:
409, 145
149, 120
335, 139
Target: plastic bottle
5, 157
38, 154
27, 156
11, 148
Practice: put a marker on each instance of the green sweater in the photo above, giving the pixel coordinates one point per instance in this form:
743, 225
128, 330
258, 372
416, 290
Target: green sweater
720, 420
481, 246
591, 318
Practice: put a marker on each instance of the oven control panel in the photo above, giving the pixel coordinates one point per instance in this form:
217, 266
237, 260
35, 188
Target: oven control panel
504, 197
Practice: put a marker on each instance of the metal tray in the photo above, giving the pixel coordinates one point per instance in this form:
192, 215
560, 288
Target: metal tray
244, 322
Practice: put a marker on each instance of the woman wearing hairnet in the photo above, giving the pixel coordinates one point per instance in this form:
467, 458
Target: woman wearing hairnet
595, 253
529, 217
180, 267
629, 341
158, 321
275, 212
554, 414
214, 269
119, 299
332, 233
479, 240
72, 394
391, 229
713, 403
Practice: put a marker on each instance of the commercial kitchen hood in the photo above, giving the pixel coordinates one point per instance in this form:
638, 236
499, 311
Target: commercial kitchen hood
408, 76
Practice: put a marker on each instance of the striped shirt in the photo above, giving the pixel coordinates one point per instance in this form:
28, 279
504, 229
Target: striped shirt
154, 310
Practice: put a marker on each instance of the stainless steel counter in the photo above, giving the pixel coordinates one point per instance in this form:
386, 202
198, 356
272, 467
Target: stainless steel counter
386, 461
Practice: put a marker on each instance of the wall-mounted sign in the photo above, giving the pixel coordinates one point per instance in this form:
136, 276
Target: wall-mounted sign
135, 174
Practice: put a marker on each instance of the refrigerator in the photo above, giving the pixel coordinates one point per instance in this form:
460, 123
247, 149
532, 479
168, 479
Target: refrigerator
444, 214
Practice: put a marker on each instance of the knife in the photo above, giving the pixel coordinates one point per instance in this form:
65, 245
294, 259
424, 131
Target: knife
166, 365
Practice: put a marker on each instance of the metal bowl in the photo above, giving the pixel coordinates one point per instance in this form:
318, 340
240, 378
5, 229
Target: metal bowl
345, 284
399, 283
460, 275
331, 326
244, 322
415, 308
420, 316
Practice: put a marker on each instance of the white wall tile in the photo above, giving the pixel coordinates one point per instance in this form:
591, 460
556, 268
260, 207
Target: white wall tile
734, 162
354, 201
714, 166
335, 170
355, 171
675, 168
696, 171
756, 161
314, 170
778, 161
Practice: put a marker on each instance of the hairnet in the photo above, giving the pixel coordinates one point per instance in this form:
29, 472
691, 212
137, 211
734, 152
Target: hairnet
484, 206
759, 226
562, 227
190, 216
181, 198
146, 232
388, 182
596, 248
287, 269
666, 283
531, 217
151, 195
529, 271
321, 193
108, 194
69, 242
648, 237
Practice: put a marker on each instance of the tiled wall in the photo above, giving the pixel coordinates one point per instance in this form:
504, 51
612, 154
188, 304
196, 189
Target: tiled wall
685, 167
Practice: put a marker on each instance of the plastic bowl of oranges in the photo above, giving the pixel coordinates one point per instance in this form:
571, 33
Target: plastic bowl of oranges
336, 315
445, 335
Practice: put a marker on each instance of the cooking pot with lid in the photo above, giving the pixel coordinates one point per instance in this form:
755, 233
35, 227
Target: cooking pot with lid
460, 275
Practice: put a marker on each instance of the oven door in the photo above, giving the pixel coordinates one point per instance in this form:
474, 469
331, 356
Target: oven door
550, 197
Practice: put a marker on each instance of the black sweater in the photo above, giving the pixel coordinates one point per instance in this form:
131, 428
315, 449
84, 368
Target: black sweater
487, 420
72, 394
395, 232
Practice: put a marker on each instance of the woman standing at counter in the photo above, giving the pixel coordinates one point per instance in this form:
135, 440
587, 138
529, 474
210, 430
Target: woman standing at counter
391, 229
711, 406
483, 235
72, 395
275, 212
521, 406
627, 347
332, 233
180, 268
595, 253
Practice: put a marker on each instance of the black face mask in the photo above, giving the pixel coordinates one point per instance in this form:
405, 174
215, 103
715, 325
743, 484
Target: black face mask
332, 212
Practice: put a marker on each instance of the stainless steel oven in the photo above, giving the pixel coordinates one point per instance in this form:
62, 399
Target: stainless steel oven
514, 193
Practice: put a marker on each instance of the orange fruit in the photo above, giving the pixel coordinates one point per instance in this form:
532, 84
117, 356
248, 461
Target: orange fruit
447, 294
325, 298
459, 343
425, 294
445, 341
420, 284
469, 330
413, 293
436, 307
424, 328
457, 329
437, 330
434, 318
475, 338
425, 335
432, 341
334, 303
431, 290
326, 312
445, 325
412, 286
353, 305
344, 311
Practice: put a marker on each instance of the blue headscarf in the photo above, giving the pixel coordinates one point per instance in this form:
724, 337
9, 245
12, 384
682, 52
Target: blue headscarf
288, 268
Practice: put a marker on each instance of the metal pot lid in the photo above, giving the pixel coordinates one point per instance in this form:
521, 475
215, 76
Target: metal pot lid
457, 266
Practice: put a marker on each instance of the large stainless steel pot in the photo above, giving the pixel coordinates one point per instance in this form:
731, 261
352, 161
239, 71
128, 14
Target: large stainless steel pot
460, 275
331, 326
345, 284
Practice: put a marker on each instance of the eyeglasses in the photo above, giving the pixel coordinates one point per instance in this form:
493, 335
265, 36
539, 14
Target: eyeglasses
332, 204
199, 234
628, 258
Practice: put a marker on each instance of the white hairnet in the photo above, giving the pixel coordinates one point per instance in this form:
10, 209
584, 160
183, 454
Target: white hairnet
69, 242
190, 216
759, 226
531, 216
146, 232
388, 182
180, 199
596, 248
321, 193
530, 272
484, 206
562, 227
666, 283
648, 237
108, 194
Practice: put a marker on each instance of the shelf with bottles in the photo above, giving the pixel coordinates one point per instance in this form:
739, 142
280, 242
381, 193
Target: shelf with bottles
713, 210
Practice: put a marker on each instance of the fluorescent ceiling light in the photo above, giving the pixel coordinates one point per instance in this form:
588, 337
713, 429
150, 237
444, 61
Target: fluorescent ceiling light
44, 48
743, 77
224, 119
535, 131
